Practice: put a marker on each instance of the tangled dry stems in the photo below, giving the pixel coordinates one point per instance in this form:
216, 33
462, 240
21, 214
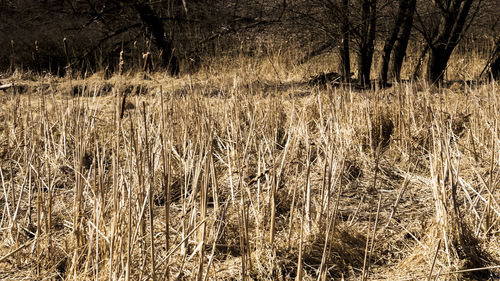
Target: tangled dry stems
243, 162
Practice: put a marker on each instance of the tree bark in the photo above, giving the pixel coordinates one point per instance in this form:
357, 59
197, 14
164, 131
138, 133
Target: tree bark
453, 17
366, 48
438, 60
418, 67
403, 38
345, 59
398, 41
154, 28
389, 43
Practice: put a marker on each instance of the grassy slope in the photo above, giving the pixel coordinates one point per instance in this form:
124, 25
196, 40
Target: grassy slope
231, 140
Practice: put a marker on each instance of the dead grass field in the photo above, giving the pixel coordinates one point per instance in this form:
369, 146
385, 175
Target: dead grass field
245, 172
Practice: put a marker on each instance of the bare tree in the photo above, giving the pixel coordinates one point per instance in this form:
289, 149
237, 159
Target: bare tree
154, 28
398, 40
345, 60
367, 40
402, 41
444, 37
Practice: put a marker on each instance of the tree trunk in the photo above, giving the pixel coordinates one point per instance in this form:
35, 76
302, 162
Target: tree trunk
399, 51
366, 47
495, 63
345, 59
154, 28
418, 67
453, 17
438, 59
389, 43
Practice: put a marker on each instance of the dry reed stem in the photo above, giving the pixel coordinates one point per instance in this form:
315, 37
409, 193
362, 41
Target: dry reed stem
434, 261
147, 185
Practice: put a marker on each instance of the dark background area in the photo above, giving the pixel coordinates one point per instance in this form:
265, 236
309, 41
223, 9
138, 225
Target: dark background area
86, 36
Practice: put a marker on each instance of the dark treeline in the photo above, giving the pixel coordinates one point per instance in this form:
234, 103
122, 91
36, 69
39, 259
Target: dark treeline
82, 37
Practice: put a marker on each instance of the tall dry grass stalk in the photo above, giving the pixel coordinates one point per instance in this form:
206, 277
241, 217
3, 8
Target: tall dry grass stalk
246, 171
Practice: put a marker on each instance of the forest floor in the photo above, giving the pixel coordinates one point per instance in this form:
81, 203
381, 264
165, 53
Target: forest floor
247, 175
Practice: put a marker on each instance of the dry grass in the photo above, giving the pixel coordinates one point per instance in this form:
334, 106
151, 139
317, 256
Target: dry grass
244, 171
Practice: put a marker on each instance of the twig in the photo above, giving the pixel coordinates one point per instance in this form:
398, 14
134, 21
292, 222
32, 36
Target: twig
6, 86
16, 250
453, 272
374, 234
434, 260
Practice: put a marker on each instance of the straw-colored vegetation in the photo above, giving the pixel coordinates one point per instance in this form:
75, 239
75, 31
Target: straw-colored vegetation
243, 171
